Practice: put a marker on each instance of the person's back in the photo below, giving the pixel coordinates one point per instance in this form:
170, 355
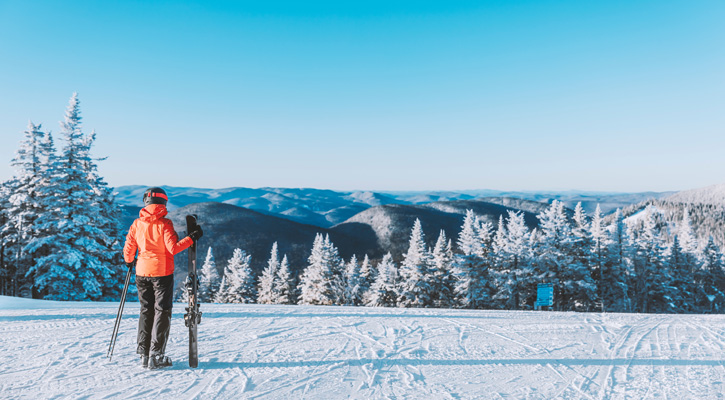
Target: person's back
153, 238
156, 242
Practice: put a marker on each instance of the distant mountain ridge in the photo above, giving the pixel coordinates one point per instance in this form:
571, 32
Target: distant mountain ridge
362, 222
326, 208
705, 207
714, 195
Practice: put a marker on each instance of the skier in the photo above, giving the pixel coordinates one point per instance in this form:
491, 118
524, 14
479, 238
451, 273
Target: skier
153, 236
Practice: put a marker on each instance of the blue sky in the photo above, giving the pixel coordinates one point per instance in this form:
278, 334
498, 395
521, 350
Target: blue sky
513, 95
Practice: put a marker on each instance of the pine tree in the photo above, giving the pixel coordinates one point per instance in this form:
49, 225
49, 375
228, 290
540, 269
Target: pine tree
266, 292
367, 274
73, 263
711, 277
284, 284
40, 240
383, 292
686, 266
652, 287
616, 283
681, 278
5, 272
209, 280
468, 239
23, 208
415, 289
443, 278
688, 241
500, 239
512, 280
353, 291
472, 268
322, 282
238, 282
598, 236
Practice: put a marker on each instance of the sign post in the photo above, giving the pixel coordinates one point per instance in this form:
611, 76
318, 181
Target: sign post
544, 295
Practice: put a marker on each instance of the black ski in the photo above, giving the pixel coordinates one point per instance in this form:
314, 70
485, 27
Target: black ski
192, 318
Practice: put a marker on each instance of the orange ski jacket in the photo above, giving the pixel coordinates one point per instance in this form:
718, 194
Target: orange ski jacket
154, 238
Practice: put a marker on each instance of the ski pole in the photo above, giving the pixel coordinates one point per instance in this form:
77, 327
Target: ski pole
120, 312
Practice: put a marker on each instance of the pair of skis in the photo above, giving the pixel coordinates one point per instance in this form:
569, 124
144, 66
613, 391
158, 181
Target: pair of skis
192, 318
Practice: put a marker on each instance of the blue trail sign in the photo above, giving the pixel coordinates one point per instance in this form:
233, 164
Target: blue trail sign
544, 295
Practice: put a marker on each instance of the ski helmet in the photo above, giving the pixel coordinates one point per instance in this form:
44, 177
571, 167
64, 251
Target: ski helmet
155, 195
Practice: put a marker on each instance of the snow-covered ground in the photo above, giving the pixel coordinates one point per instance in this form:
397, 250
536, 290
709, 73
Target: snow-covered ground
57, 350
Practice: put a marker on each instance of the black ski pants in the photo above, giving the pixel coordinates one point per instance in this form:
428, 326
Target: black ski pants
156, 297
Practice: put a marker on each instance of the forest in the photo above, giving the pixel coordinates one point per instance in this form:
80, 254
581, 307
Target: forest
61, 238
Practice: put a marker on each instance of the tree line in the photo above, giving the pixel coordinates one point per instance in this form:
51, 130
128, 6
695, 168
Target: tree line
635, 264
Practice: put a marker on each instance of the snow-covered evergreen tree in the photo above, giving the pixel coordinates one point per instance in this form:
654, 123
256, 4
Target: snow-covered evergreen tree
684, 265
469, 242
686, 235
23, 201
616, 284
711, 277
367, 274
284, 284
238, 282
6, 275
471, 269
383, 292
353, 291
598, 235
681, 277
581, 224
443, 280
499, 239
653, 292
266, 293
512, 276
209, 280
414, 288
73, 248
322, 282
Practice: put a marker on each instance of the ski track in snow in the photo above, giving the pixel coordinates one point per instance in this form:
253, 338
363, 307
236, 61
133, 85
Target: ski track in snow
57, 350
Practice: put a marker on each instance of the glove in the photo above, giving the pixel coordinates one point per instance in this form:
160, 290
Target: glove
196, 234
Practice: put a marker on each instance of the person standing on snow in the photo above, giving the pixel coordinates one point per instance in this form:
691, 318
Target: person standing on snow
153, 236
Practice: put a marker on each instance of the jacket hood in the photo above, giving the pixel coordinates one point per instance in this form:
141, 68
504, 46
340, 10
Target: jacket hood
153, 212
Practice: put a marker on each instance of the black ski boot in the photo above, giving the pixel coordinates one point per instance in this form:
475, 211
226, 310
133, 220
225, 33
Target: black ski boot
157, 361
145, 361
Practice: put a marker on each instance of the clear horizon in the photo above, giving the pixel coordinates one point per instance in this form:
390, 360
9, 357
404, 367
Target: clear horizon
411, 96
383, 191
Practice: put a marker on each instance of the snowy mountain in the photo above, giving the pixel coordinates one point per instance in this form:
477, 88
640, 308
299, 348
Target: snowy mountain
705, 208
608, 201
389, 225
227, 227
714, 195
318, 207
326, 208
57, 350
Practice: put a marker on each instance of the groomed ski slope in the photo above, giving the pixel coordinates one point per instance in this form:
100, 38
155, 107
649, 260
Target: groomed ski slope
57, 350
